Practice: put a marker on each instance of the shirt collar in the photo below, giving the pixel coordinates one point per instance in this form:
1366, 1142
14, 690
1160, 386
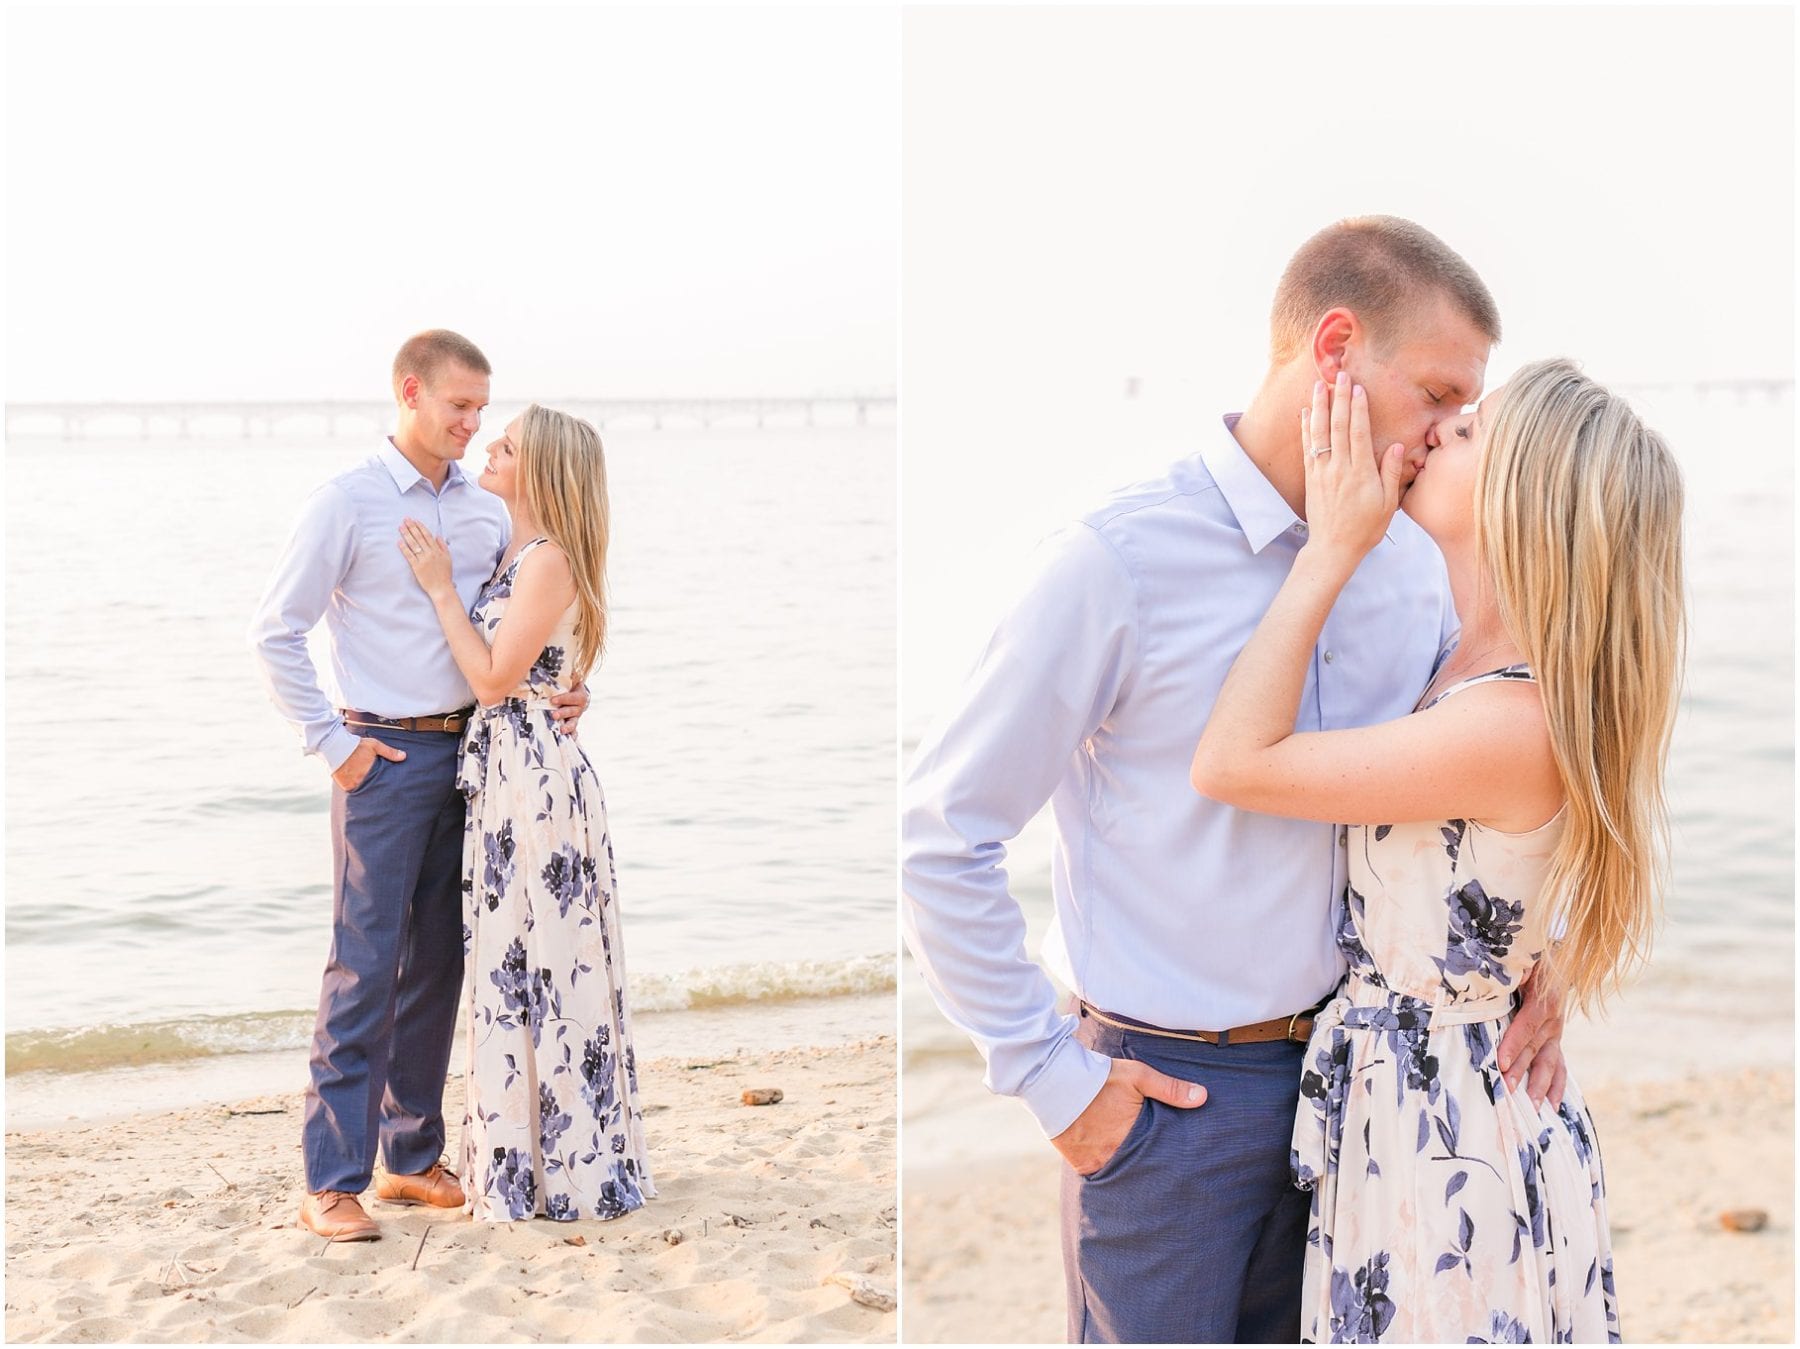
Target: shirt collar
405, 476
1262, 513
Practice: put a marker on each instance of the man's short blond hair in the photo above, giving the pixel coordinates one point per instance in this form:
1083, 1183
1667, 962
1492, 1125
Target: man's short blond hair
1382, 269
426, 353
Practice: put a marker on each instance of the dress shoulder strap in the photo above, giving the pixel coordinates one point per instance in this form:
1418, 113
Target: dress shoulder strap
1520, 671
519, 556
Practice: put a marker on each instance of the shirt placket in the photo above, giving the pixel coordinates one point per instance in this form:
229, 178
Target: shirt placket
440, 525
1332, 672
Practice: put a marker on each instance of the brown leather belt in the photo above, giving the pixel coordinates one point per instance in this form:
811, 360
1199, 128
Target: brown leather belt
1297, 1028
453, 722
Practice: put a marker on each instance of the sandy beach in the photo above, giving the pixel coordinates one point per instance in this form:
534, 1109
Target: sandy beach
982, 1260
181, 1226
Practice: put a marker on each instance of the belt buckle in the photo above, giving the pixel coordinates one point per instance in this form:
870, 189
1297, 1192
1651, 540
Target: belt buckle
1293, 1021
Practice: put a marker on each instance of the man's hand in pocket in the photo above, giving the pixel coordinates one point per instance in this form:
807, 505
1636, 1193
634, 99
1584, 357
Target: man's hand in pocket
1089, 1143
350, 774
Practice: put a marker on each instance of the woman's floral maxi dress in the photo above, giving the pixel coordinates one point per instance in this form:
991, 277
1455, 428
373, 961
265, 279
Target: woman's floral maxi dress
552, 1124
1446, 1208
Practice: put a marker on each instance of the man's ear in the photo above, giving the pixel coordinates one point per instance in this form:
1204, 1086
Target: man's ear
409, 390
1335, 333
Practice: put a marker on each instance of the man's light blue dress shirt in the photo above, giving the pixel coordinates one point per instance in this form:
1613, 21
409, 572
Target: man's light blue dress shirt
1170, 908
343, 564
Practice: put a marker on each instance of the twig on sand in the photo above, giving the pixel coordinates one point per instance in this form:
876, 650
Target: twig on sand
229, 1184
230, 1113
308, 1293
421, 1248
327, 1246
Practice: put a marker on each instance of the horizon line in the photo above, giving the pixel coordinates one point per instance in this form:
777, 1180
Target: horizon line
851, 396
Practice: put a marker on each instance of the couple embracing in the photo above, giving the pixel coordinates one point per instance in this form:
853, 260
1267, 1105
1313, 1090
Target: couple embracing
467, 824
1353, 727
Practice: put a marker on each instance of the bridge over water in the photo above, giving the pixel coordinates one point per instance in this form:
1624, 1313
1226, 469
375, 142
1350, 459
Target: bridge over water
253, 420
1741, 389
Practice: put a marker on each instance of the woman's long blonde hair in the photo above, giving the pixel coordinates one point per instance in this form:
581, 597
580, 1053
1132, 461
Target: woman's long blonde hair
562, 485
1578, 523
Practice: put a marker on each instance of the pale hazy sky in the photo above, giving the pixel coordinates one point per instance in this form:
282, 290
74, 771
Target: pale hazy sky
263, 202
1093, 196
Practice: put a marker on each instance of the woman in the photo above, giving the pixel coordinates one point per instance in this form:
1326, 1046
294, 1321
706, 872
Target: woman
552, 1124
1446, 1207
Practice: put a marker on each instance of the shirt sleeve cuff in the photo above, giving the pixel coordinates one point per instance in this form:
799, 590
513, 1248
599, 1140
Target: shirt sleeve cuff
339, 744
1066, 1086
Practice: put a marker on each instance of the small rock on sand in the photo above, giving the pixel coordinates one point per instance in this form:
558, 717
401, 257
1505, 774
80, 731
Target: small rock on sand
762, 1095
1744, 1220
865, 1292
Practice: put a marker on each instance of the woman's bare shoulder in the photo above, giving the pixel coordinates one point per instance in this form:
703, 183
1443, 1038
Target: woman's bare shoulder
1504, 722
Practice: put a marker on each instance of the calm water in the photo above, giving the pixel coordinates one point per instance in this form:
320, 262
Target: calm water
1720, 986
168, 867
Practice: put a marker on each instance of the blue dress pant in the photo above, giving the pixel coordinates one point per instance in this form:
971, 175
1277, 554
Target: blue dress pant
387, 1008
1192, 1232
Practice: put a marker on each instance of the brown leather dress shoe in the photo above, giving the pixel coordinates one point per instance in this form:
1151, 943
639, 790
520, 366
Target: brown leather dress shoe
437, 1187
339, 1216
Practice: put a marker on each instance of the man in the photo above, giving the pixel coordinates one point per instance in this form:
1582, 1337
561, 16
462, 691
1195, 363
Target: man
387, 1009
1196, 938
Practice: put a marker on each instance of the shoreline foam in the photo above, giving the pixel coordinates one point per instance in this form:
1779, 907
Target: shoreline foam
178, 1038
51, 1099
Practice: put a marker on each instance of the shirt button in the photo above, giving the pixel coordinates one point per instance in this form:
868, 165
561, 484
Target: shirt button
1344, 838
1300, 528
1330, 656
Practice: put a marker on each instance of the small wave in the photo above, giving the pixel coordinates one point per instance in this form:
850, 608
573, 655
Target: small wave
76, 1049
764, 982
270, 801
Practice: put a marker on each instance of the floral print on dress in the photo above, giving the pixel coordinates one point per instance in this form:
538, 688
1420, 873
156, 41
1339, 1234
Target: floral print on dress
1481, 930
552, 1125
1446, 1208
1361, 1310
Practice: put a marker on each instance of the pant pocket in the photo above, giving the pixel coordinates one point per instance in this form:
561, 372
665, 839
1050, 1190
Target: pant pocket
1132, 1142
375, 770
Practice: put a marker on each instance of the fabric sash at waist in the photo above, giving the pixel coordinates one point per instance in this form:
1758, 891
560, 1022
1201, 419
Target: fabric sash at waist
1325, 1080
534, 701
1361, 1005
478, 739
